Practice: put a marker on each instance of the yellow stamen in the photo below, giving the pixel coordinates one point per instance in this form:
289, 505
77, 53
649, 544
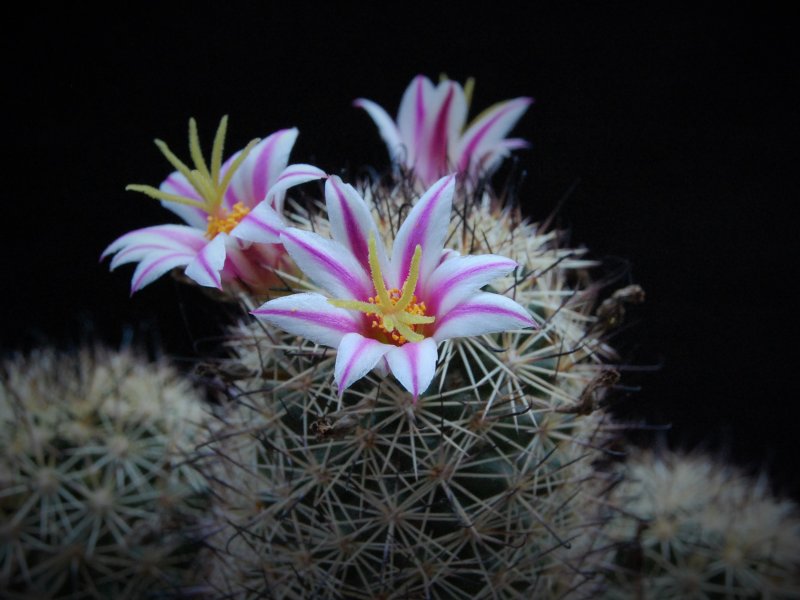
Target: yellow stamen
208, 183
194, 148
395, 310
149, 190
411, 281
365, 307
375, 270
226, 222
216, 149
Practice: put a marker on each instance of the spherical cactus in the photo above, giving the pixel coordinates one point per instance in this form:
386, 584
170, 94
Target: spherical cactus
687, 526
477, 489
97, 497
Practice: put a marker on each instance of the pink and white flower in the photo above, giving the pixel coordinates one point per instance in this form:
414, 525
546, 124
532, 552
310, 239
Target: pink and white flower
430, 136
390, 310
232, 213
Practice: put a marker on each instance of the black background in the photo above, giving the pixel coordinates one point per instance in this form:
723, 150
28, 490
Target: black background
671, 124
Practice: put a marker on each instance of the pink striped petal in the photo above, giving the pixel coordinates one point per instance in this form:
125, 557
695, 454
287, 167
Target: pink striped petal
514, 144
481, 313
311, 316
261, 169
432, 157
487, 131
386, 127
137, 245
414, 115
414, 364
261, 225
291, 176
457, 278
457, 119
329, 264
157, 249
490, 160
176, 183
355, 357
351, 221
156, 264
447, 254
426, 225
205, 268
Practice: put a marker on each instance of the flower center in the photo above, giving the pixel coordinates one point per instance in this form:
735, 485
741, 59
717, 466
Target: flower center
229, 220
414, 308
207, 181
395, 313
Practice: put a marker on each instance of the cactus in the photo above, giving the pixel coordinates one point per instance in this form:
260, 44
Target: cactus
470, 492
687, 526
364, 449
97, 498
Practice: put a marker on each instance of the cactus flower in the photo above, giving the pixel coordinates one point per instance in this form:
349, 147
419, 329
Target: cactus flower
390, 310
430, 136
232, 211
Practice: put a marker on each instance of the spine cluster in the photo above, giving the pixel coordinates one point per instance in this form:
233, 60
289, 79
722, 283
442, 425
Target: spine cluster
98, 495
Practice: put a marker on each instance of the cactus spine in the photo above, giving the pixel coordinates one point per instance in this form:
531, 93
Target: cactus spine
97, 497
469, 493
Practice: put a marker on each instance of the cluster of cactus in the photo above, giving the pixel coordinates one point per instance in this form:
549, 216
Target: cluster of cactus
479, 489
500, 476
98, 495
688, 526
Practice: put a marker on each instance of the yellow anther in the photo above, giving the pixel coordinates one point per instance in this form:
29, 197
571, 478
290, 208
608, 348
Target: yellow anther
226, 222
393, 310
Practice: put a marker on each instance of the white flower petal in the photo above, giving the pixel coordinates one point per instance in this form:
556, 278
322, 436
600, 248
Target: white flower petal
157, 249
136, 245
355, 357
482, 313
426, 226
329, 264
461, 276
261, 169
487, 131
351, 221
386, 127
445, 107
177, 184
312, 316
261, 225
414, 364
491, 159
156, 264
291, 176
457, 119
414, 115
205, 268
